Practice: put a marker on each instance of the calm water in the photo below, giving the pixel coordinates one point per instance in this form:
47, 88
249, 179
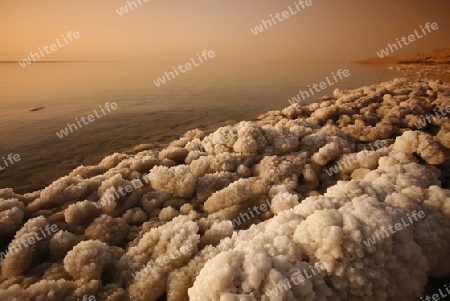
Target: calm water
208, 96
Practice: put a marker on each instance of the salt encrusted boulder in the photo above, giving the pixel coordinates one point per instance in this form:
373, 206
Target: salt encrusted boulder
135, 216
299, 127
443, 137
262, 262
234, 194
112, 293
11, 216
177, 154
250, 139
81, 213
24, 251
112, 160
210, 183
420, 186
343, 222
14, 292
61, 243
52, 290
177, 181
362, 159
86, 172
188, 137
422, 144
280, 170
327, 134
141, 162
116, 194
293, 111
226, 276
8, 193
154, 200
159, 251
217, 232
167, 213
195, 145
310, 173
323, 114
107, 229
91, 259
283, 201
326, 154
369, 133
221, 141
280, 140
228, 162
63, 189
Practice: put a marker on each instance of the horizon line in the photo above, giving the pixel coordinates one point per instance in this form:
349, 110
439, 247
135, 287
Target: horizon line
101, 61
66, 61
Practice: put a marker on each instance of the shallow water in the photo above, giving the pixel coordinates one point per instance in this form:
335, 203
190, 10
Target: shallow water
214, 94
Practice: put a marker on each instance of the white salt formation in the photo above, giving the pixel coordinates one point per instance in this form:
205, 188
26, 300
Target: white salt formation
193, 189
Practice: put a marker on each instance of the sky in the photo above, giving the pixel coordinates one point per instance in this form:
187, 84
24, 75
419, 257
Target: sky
338, 30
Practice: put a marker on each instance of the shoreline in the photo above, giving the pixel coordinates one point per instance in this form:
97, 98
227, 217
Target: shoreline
39, 169
160, 139
434, 64
196, 185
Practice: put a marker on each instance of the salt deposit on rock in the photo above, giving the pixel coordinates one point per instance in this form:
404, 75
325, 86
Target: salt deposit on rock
190, 192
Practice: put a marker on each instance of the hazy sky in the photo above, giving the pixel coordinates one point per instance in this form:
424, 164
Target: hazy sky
328, 30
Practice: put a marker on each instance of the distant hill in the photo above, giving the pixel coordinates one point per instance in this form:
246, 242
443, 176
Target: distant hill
434, 64
436, 57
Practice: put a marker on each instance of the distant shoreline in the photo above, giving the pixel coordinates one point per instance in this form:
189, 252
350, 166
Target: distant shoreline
434, 64
87, 61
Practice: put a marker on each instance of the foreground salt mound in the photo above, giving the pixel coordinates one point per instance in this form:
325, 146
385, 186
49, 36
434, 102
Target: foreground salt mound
330, 229
118, 219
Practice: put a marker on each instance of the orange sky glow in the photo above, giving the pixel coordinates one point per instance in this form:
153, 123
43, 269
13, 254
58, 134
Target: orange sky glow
342, 30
